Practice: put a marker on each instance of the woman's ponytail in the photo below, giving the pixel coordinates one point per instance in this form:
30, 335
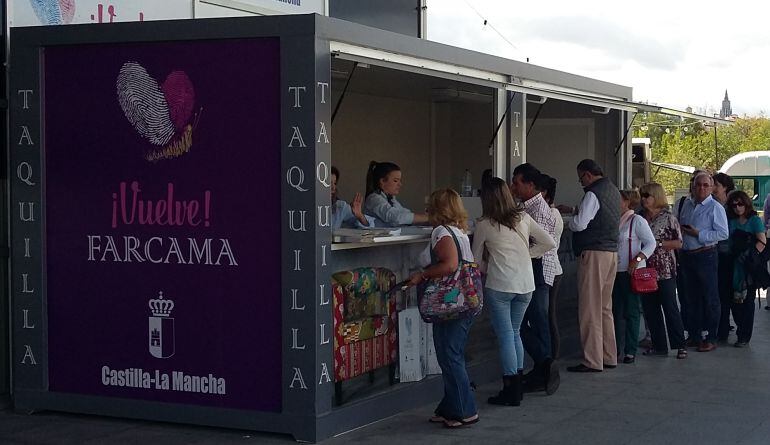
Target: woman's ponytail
371, 183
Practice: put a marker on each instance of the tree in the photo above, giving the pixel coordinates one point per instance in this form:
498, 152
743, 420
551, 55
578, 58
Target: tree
690, 142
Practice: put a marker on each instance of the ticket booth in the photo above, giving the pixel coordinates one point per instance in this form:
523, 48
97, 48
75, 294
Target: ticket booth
171, 252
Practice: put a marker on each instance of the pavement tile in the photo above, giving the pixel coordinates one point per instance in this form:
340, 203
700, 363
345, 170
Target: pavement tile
758, 436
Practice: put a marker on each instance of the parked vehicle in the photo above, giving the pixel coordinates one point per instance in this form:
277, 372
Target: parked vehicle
751, 172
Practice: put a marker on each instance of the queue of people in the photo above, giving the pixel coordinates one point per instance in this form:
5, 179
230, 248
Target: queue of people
708, 255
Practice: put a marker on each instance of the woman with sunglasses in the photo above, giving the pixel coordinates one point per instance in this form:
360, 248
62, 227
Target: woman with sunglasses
746, 233
668, 238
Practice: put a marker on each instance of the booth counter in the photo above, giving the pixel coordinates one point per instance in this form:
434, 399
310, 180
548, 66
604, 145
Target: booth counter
171, 249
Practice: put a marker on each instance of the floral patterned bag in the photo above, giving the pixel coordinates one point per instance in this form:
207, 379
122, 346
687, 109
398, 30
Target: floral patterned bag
454, 296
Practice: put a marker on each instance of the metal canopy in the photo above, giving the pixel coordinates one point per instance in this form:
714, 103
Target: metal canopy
676, 167
504, 81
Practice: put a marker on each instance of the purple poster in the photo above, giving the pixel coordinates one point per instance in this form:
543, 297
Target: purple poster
162, 198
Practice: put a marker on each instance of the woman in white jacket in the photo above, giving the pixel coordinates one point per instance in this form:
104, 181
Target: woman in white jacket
635, 244
504, 241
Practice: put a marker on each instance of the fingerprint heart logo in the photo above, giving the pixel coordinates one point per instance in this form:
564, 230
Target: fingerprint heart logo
162, 114
54, 12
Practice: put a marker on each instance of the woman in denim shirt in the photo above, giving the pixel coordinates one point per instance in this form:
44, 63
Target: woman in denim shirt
383, 183
343, 214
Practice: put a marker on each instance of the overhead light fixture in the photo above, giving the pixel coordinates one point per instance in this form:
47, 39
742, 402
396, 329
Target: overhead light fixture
338, 74
604, 110
456, 95
540, 99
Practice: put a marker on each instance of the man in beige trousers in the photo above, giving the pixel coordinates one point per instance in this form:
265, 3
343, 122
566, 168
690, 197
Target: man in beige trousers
595, 243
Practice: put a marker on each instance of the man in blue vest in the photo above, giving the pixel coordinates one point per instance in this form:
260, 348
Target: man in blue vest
595, 243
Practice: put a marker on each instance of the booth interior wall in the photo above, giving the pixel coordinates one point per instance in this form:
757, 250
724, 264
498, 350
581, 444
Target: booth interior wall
568, 132
376, 128
463, 130
555, 146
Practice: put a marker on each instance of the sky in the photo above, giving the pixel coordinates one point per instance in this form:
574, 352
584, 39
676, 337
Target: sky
674, 53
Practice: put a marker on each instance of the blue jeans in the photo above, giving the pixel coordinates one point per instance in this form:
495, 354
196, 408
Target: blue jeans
450, 337
699, 271
536, 327
506, 310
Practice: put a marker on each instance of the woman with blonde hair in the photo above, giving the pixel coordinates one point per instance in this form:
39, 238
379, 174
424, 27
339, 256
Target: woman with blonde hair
635, 245
668, 238
449, 244
504, 233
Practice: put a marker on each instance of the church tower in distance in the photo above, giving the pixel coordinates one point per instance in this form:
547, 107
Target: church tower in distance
726, 110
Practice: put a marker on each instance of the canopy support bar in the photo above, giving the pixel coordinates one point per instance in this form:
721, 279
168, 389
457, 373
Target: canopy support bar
344, 90
502, 119
625, 136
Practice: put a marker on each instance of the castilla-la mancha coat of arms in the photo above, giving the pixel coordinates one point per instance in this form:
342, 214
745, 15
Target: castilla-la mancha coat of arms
161, 327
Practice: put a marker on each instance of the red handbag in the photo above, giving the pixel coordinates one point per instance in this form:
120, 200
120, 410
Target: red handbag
644, 280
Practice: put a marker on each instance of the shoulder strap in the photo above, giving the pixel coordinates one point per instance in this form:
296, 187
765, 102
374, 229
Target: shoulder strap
521, 235
457, 244
630, 228
679, 209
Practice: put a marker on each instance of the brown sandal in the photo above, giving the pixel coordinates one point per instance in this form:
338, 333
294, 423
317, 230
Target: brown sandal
452, 423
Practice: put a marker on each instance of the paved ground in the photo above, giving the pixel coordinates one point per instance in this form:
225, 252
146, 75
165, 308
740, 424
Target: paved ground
721, 397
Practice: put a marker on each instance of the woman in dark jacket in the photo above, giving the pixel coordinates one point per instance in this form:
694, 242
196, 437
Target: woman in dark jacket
747, 234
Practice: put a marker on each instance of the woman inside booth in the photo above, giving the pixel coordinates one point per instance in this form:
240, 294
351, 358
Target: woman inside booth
383, 183
344, 214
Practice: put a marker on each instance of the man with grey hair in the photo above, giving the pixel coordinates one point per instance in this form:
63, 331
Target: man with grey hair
595, 243
704, 224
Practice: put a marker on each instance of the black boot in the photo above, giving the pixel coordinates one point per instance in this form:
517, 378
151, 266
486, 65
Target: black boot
535, 380
518, 389
508, 395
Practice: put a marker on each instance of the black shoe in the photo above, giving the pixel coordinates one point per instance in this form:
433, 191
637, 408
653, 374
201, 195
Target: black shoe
610, 366
582, 368
552, 379
525, 377
655, 353
741, 344
628, 359
534, 384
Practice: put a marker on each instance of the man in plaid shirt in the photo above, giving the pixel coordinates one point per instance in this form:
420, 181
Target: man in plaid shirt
535, 328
